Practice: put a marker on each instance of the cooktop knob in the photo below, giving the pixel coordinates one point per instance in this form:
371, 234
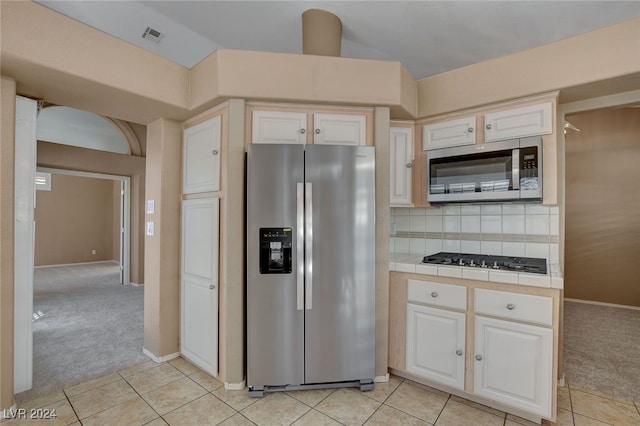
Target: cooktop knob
461, 262
495, 265
472, 263
483, 264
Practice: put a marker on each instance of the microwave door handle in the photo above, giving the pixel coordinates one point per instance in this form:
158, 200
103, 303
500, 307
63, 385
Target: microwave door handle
515, 168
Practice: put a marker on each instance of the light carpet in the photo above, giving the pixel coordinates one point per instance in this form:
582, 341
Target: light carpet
92, 325
602, 349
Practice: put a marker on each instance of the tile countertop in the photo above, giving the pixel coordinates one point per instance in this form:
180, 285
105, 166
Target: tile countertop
404, 262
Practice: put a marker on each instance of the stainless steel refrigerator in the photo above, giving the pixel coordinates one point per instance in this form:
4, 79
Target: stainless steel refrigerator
310, 267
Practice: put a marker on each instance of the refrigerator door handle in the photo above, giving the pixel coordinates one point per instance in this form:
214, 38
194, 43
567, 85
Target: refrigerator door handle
308, 224
300, 246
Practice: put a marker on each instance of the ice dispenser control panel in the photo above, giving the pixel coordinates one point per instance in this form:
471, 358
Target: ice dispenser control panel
275, 250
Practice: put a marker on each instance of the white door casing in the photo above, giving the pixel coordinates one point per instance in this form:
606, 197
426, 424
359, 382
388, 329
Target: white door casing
199, 283
24, 245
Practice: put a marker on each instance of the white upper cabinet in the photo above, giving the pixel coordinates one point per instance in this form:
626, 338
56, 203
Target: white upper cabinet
513, 364
530, 120
201, 157
457, 132
401, 152
339, 129
279, 127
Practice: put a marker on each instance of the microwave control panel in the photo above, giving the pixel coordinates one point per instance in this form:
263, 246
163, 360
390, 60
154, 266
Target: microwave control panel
529, 162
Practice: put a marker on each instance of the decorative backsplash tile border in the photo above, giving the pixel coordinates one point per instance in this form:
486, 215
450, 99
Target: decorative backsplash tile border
503, 229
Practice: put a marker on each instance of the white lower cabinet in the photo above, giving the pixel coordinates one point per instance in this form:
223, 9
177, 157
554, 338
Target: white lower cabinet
436, 344
513, 364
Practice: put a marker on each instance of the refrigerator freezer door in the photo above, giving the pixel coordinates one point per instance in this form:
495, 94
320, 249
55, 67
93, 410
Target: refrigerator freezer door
340, 326
275, 325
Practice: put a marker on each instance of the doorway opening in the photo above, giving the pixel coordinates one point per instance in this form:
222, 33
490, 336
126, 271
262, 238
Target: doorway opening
602, 299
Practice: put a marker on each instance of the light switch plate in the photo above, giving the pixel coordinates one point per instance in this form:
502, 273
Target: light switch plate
150, 228
151, 206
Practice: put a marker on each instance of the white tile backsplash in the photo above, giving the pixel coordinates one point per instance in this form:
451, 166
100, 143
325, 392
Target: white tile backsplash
418, 224
451, 223
470, 224
468, 246
451, 246
491, 224
470, 210
500, 229
403, 223
536, 224
434, 224
513, 224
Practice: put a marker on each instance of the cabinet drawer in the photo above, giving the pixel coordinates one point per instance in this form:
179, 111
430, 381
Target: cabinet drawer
516, 306
438, 294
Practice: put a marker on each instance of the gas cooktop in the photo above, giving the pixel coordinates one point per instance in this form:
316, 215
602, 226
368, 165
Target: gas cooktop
505, 263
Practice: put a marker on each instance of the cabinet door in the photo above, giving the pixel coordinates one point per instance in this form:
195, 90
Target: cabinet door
201, 157
449, 133
513, 364
530, 120
339, 129
199, 283
401, 152
435, 344
279, 127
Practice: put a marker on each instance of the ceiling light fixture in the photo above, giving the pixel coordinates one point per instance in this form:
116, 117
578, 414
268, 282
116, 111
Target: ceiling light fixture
152, 35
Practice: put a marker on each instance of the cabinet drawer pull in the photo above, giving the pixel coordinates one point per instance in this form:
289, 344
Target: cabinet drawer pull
211, 287
478, 357
470, 130
459, 352
488, 126
214, 152
409, 165
317, 131
511, 306
434, 294
302, 131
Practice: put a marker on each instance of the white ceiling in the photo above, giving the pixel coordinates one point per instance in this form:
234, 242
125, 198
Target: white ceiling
427, 37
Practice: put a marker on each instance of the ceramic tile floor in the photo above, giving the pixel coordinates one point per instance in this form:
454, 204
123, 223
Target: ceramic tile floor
177, 393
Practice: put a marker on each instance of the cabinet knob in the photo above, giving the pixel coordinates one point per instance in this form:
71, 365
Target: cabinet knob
511, 306
470, 130
302, 131
212, 286
434, 294
488, 126
459, 352
478, 357
409, 165
317, 131
214, 152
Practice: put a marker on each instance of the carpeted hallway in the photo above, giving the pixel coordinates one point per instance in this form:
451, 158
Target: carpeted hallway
601, 346
91, 326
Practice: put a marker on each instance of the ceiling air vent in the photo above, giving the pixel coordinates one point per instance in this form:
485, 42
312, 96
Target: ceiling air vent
152, 35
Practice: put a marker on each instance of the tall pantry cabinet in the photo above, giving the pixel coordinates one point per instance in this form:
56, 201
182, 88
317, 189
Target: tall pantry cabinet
199, 277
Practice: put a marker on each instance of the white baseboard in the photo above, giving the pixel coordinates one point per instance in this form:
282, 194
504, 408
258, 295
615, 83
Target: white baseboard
9, 413
78, 264
235, 386
381, 379
136, 284
612, 305
160, 359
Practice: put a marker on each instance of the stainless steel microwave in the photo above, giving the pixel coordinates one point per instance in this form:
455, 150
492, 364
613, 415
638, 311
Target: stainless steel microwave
509, 170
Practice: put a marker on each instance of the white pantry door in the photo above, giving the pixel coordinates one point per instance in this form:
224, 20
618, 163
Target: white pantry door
199, 283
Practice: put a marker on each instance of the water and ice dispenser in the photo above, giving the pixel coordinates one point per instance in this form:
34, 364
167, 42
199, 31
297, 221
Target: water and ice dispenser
275, 250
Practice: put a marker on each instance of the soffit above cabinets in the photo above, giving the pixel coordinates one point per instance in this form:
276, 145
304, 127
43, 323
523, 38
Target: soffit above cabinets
427, 37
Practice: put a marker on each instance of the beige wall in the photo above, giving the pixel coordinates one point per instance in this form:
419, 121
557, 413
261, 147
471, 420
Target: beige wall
162, 254
87, 160
73, 219
602, 204
603, 54
7, 137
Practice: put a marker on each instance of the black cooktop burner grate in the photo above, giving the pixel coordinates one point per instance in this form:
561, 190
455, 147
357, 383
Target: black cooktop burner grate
504, 263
